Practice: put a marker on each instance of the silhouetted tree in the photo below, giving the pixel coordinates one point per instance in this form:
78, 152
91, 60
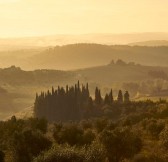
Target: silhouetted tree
111, 99
72, 103
98, 98
62, 104
120, 97
126, 97
107, 99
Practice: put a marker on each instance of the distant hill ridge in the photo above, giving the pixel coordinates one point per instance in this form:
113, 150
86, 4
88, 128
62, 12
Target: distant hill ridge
86, 55
64, 39
83, 55
113, 72
151, 43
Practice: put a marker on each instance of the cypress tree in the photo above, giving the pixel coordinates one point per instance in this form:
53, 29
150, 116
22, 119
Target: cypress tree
71, 103
106, 99
53, 91
126, 97
96, 95
67, 89
120, 97
111, 99
78, 85
87, 90
98, 98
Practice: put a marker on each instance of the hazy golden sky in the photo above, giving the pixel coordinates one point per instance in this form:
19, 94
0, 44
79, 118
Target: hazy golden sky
46, 17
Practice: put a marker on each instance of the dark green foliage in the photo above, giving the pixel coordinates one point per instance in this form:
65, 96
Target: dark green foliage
107, 99
38, 124
100, 124
23, 139
126, 97
65, 153
154, 127
120, 144
8, 129
135, 118
88, 137
86, 124
111, 99
98, 97
61, 154
72, 134
164, 138
95, 153
27, 144
120, 97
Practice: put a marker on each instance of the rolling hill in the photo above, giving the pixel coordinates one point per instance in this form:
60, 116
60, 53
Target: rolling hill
120, 71
86, 55
76, 56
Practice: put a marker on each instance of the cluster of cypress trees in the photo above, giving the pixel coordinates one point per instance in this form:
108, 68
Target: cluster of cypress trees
73, 103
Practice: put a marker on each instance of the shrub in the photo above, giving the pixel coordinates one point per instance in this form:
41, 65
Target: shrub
73, 135
120, 144
66, 153
164, 138
27, 144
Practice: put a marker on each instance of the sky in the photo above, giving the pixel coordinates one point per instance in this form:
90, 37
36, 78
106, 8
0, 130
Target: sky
19, 18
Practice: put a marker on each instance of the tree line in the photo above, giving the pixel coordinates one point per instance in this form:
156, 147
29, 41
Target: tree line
74, 103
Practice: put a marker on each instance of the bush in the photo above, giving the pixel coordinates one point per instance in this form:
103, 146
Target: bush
61, 154
101, 124
95, 153
164, 138
66, 153
27, 144
72, 135
120, 144
38, 124
86, 124
155, 127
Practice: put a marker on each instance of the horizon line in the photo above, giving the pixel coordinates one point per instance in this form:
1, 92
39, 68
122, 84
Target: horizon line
77, 34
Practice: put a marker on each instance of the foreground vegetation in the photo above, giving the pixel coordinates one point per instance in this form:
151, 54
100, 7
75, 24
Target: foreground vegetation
138, 134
